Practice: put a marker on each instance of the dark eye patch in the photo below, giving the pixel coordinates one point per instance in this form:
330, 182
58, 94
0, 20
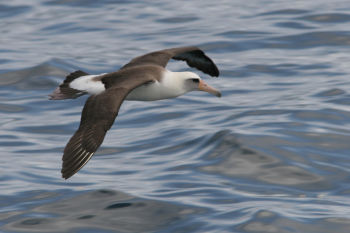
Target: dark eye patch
148, 83
195, 80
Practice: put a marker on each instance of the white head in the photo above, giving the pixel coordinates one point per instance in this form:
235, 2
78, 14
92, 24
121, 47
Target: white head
192, 82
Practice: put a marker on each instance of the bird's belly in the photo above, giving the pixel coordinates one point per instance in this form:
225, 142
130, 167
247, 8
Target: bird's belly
150, 92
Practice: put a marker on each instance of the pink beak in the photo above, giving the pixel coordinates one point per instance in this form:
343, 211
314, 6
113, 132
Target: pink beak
202, 86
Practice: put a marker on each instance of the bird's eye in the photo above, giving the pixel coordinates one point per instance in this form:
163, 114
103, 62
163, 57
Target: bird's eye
195, 80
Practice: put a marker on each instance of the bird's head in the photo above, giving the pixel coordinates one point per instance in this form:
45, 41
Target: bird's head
193, 82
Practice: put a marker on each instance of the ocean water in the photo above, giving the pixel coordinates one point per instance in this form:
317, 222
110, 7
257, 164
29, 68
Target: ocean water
271, 155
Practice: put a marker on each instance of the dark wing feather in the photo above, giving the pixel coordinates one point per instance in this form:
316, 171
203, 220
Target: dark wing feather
192, 55
97, 117
198, 59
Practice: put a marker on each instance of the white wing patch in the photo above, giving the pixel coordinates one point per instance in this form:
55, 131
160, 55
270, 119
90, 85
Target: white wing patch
88, 84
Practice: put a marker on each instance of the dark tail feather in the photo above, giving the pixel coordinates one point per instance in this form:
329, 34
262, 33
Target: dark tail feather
64, 91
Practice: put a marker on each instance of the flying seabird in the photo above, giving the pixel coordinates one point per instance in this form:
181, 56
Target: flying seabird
144, 78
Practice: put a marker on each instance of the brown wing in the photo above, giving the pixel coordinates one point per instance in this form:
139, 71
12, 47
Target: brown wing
192, 55
97, 117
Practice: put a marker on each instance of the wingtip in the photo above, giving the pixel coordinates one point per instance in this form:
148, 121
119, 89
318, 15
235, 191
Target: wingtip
73, 162
215, 75
216, 72
66, 175
212, 70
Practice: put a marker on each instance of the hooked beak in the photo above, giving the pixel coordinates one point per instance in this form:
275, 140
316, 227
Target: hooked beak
202, 86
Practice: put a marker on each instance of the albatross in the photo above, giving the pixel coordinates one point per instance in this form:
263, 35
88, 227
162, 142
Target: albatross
144, 78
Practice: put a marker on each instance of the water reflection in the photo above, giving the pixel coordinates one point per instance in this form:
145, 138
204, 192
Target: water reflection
102, 210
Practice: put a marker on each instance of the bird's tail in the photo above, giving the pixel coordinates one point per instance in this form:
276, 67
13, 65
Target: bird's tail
64, 91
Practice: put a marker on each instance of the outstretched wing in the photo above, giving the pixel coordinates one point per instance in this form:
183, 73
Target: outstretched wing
97, 118
193, 56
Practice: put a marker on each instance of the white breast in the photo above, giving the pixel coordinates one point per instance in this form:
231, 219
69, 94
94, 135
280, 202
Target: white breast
170, 86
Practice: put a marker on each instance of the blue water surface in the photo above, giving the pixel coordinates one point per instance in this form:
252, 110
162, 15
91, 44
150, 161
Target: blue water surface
271, 155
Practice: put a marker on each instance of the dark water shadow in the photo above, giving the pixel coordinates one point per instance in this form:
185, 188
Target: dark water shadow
267, 221
11, 11
235, 158
33, 78
327, 18
101, 210
85, 3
